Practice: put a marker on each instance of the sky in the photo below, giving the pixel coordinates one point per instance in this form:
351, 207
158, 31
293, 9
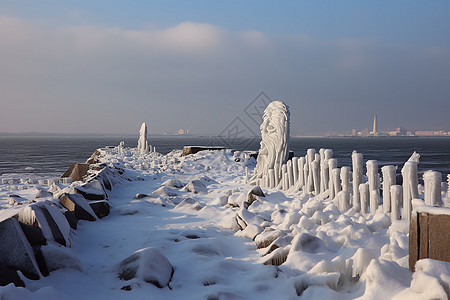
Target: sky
107, 66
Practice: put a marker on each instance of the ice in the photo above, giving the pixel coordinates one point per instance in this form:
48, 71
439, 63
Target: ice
233, 239
142, 146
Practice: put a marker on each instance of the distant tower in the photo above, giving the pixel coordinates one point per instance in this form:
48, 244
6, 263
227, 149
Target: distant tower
374, 130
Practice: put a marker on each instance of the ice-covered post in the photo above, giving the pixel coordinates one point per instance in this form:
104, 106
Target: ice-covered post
332, 164
311, 155
274, 146
357, 162
284, 177
290, 174
388, 181
410, 184
364, 196
316, 176
432, 188
301, 173
142, 146
271, 178
373, 180
396, 201
336, 181
345, 178
295, 169
325, 175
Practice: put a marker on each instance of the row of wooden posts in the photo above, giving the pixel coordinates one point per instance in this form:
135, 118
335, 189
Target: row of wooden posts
318, 173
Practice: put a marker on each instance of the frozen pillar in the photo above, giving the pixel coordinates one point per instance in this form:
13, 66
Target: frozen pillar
364, 197
432, 188
301, 173
290, 173
336, 181
373, 180
271, 178
325, 175
345, 178
357, 161
316, 176
295, 169
396, 200
332, 164
142, 146
311, 155
410, 189
388, 181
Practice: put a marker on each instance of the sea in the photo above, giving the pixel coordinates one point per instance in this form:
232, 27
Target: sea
49, 156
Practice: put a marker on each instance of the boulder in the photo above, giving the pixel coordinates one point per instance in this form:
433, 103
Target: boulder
8, 275
92, 190
196, 186
15, 250
50, 219
71, 219
78, 204
149, 265
16, 200
76, 171
194, 149
101, 208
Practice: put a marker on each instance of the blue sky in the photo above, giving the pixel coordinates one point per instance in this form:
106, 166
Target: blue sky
197, 64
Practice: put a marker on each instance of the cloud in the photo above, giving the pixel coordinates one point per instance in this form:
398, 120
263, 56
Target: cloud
108, 79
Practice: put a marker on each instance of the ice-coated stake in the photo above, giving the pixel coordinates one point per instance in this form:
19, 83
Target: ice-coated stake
364, 196
388, 181
432, 188
396, 200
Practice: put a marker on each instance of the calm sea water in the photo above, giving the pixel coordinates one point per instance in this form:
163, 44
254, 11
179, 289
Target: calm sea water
51, 156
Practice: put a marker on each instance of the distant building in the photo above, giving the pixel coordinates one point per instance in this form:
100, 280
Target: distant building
181, 132
374, 129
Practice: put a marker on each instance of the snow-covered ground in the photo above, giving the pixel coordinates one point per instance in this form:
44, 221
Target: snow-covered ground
226, 240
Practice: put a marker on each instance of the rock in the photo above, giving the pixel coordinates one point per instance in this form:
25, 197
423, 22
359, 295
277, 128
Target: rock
15, 250
50, 219
94, 157
257, 191
308, 243
165, 192
149, 265
16, 200
71, 219
189, 202
194, 149
101, 208
78, 204
33, 234
8, 275
59, 257
92, 190
196, 186
173, 183
76, 171
140, 196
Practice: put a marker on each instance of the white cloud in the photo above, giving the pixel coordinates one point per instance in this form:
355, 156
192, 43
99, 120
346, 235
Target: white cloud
197, 71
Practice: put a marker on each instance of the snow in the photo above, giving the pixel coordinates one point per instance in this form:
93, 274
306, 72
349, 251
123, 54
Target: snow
226, 239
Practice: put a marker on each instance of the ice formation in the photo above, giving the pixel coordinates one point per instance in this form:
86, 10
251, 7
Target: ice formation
143, 147
274, 148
